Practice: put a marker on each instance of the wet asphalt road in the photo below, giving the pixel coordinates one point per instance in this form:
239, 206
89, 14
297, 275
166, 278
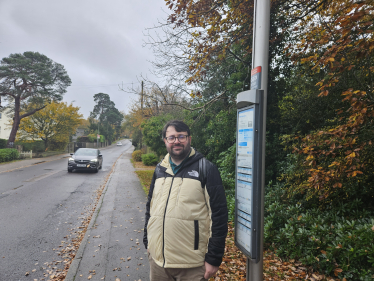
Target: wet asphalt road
40, 205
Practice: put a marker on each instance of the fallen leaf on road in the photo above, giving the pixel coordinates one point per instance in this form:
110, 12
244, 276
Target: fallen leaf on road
89, 277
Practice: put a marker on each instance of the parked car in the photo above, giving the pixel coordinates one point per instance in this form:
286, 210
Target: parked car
85, 159
119, 143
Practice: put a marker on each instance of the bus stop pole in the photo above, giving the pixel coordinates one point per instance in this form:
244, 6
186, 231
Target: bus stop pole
260, 57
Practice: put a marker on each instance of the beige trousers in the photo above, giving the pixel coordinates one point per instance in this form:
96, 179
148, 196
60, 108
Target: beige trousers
175, 274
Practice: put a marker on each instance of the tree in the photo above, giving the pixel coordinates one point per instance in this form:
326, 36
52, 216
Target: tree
30, 78
338, 42
109, 117
52, 124
152, 133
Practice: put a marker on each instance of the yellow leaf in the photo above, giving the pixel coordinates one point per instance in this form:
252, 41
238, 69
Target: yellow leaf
351, 155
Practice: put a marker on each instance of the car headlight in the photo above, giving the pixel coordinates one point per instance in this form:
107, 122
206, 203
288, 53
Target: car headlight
71, 160
94, 160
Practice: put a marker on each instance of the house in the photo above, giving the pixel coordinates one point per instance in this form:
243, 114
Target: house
5, 125
79, 133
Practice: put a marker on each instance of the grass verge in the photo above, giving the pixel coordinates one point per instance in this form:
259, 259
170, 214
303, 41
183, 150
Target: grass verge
145, 177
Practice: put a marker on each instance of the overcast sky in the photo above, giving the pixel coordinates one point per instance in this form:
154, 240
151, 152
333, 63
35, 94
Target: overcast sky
98, 42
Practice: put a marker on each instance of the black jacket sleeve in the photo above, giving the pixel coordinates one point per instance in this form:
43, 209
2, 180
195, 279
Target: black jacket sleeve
147, 210
218, 205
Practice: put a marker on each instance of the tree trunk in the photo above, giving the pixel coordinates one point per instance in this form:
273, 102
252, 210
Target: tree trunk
45, 144
16, 122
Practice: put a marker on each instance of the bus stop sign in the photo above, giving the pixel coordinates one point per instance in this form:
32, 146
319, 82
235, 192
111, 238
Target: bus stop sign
248, 174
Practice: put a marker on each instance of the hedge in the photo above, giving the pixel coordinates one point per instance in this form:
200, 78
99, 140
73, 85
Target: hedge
8, 154
3, 143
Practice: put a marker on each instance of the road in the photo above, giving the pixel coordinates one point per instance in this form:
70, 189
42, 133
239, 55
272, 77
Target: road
40, 207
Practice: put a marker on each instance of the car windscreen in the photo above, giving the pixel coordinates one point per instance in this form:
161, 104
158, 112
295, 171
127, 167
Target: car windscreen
86, 152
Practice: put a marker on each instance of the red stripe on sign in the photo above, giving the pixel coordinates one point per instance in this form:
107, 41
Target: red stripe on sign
256, 70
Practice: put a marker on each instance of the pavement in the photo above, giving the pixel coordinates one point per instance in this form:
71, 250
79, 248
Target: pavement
112, 248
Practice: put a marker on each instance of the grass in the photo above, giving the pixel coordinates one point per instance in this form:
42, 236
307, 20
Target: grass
145, 174
145, 177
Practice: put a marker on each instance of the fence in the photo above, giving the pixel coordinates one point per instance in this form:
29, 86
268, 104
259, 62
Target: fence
25, 154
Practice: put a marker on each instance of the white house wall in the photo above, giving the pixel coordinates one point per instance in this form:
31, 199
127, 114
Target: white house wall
5, 128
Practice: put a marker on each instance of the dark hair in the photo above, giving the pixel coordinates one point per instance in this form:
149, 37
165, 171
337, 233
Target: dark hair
179, 126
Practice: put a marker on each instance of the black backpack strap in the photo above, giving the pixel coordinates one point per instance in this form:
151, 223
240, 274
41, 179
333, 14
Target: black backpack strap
202, 172
203, 176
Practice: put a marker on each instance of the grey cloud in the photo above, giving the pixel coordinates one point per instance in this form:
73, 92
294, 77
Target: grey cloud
98, 42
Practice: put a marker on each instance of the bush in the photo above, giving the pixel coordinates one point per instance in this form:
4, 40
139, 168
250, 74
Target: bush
92, 137
149, 159
337, 240
137, 155
226, 167
35, 146
8, 154
230, 198
3, 143
57, 146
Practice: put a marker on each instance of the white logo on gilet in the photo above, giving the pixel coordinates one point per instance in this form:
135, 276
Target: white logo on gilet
194, 173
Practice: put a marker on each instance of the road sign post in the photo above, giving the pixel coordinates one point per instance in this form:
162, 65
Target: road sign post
250, 180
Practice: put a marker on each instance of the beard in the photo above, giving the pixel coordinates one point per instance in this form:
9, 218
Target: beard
179, 151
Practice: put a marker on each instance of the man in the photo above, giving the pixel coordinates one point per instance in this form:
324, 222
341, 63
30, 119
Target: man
186, 213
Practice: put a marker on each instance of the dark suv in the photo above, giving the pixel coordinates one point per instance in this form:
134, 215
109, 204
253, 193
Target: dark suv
85, 159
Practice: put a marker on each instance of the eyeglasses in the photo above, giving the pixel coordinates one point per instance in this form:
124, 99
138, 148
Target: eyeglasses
181, 138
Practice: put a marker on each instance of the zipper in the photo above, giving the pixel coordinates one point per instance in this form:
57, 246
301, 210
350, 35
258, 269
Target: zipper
196, 226
163, 226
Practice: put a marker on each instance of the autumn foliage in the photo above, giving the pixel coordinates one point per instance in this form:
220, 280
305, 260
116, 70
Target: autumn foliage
338, 40
319, 144
213, 28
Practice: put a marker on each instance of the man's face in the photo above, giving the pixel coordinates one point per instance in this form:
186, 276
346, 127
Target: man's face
177, 150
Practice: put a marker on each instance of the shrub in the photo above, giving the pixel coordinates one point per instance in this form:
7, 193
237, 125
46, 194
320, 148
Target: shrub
35, 146
230, 198
337, 240
8, 154
3, 143
137, 155
226, 167
92, 137
149, 159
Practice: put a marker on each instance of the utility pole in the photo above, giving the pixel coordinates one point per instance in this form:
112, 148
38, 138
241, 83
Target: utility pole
98, 133
141, 106
142, 98
260, 58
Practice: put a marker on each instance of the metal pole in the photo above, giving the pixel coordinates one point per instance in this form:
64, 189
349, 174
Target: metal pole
98, 133
141, 138
260, 57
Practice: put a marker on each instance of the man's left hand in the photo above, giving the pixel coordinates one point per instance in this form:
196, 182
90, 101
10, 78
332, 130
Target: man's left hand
210, 270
